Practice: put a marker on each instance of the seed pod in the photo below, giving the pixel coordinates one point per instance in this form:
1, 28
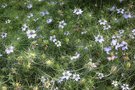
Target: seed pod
113, 69
128, 65
82, 81
35, 88
49, 62
4, 88
47, 84
125, 57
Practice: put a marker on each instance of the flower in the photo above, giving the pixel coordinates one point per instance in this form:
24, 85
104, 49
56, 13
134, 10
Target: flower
102, 22
1, 55
49, 20
122, 45
133, 31
66, 33
90, 65
127, 15
56, 88
111, 58
31, 33
58, 43
115, 83
60, 79
62, 24
53, 38
114, 42
84, 32
66, 75
29, 6
125, 87
76, 77
100, 75
77, 11
121, 1
4, 5
43, 79
112, 8
9, 50
76, 56
121, 11
8, 21
106, 27
121, 31
99, 38
43, 13
30, 15
24, 27
4, 35
107, 49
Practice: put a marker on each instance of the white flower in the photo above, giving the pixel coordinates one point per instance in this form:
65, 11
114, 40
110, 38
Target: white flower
120, 11
125, 87
66, 33
102, 22
43, 79
111, 58
112, 8
49, 21
84, 32
8, 21
62, 24
31, 33
58, 43
99, 38
115, 83
131, 36
61, 79
56, 88
77, 11
106, 27
53, 38
76, 77
30, 15
43, 13
121, 1
114, 42
90, 65
100, 75
1, 55
133, 31
29, 6
24, 27
40, 0
121, 31
76, 56
35, 19
4, 5
9, 50
66, 75
4, 35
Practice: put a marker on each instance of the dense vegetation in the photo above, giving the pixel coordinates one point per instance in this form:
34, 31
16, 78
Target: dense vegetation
67, 44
